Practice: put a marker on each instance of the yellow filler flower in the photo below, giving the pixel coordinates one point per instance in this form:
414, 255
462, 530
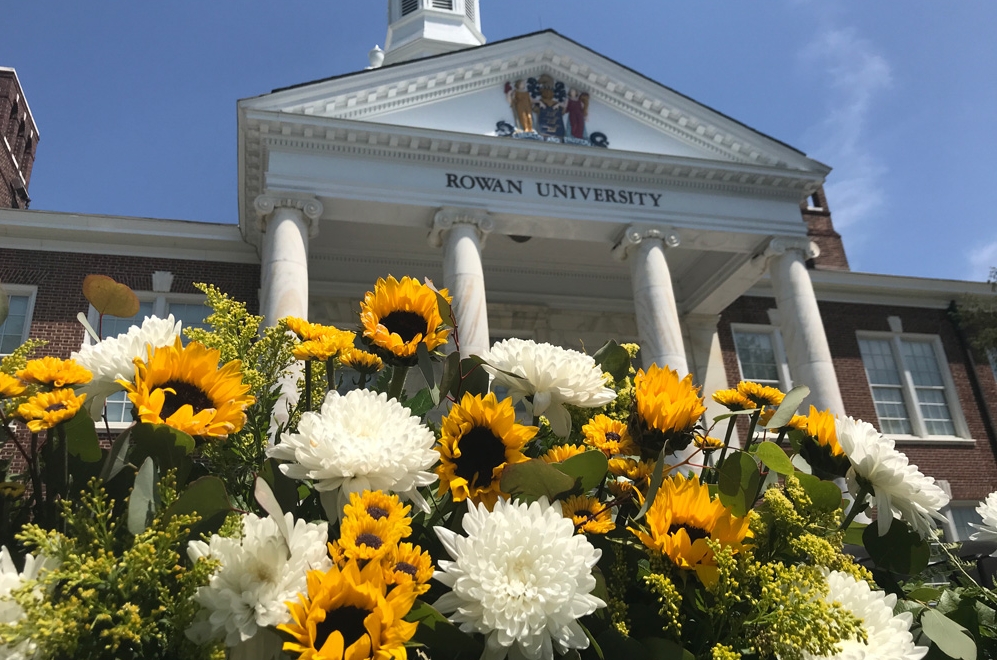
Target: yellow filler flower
479, 437
54, 372
609, 436
667, 409
45, 410
347, 616
588, 514
183, 387
681, 520
398, 315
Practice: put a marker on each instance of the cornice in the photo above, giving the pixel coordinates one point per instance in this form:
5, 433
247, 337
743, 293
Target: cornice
637, 233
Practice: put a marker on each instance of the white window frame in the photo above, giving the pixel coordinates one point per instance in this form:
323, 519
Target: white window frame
31, 292
782, 364
909, 392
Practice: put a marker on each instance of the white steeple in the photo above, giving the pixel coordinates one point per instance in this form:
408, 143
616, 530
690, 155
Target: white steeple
420, 28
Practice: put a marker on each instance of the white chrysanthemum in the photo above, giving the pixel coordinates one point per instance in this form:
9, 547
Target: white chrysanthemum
898, 487
987, 511
521, 577
10, 610
258, 574
360, 441
551, 376
888, 635
114, 358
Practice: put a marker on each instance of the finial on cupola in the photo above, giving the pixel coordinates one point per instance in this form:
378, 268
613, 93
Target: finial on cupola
422, 28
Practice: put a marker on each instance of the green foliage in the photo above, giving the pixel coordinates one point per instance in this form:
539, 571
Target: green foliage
977, 316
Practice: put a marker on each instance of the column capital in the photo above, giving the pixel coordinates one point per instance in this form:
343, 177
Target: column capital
780, 245
637, 233
448, 217
310, 207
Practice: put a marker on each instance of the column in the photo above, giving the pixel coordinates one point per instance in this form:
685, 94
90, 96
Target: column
288, 222
802, 328
708, 364
654, 299
461, 233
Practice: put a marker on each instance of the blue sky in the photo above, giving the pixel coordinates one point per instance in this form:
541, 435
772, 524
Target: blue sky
136, 101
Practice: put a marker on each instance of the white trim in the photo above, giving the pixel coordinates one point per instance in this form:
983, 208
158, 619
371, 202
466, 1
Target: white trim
29, 290
778, 350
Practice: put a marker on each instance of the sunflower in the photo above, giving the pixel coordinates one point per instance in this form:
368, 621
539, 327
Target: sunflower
398, 315
666, 411
346, 616
54, 372
479, 437
589, 514
10, 387
733, 400
681, 520
561, 453
325, 346
707, 443
630, 474
47, 409
366, 539
362, 361
378, 505
408, 564
307, 331
609, 436
820, 446
182, 386
761, 395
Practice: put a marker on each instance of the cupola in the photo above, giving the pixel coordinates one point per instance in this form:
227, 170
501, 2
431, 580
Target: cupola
422, 28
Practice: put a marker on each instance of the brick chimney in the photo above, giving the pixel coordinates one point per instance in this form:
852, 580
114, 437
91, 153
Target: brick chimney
18, 142
820, 229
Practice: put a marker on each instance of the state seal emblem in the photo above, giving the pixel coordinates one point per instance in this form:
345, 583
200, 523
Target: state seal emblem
546, 109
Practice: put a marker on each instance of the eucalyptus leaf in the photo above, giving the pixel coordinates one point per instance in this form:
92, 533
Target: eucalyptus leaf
949, 636
110, 297
825, 495
775, 458
81, 437
421, 403
663, 648
169, 447
426, 367
790, 403
451, 374
613, 359
475, 379
266, 498
901, 550
116, 456
534, 479
738, 482
734, 413
207, 498
590, 468
142, 501
437, 633
652, 490
284, 488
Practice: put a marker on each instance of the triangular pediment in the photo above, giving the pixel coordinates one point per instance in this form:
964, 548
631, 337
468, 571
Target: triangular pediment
466, 93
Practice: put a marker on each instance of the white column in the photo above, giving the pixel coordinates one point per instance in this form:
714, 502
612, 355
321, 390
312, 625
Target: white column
708, 365
288, 222
802, 328
654, 299
461, 233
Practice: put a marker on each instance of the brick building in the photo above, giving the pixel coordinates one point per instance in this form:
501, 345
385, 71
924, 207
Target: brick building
561, 197
19, 142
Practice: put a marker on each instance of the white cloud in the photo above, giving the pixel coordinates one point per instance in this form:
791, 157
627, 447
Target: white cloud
855, 75
981, 260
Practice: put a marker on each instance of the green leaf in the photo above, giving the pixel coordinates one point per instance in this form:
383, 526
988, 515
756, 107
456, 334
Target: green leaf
534, 479
441, 303
735, 413
787, 408
142, 501
775, 458
624, 647
451, 374
207, 498
949, 636
169, 447
442, 637
824, 494
652, 490
738, 482
421, 403
613, 359
116, 460
590, 468
901, 550
475, 379
81, 437
663, 648
284, 488
925, 594
266, 499
853, 535
426, 366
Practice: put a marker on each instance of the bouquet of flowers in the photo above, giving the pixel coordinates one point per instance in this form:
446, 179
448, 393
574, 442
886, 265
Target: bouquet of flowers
323, 493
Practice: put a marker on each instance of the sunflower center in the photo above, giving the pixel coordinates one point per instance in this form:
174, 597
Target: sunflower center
186, 394
56, 407
370, 540
376, 512
405, 567
612, 436
480, 453
695, 533
405, 324
348, 620
583, 513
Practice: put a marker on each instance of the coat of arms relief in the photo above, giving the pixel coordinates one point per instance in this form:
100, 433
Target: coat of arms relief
546, 109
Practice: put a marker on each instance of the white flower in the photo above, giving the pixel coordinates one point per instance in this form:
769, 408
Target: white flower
521, 577
10, 610
550, 376
360, 441
987, 511
897, 486
114, 358
888, 636
259, 573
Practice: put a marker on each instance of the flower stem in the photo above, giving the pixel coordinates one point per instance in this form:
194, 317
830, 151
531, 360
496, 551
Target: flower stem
330, 373
751, 429
308, 385
397, 384
858, 506
731, 422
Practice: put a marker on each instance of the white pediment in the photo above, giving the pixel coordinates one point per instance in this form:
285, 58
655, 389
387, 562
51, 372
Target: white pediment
464, 93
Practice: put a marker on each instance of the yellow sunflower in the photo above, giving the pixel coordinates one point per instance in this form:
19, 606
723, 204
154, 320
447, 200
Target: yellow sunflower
561, 453
182, 386
630, 474
733, 400
798, 422
362, 361
47, 409
346, 616
378, 505
681, 520
408, 564
609, 436
588, 514
820, 447
667, 409
10, 387
479, 437
707, 443
398, 315
324, 346
306, 330
761, 395
366, 539
54, 372
336, 554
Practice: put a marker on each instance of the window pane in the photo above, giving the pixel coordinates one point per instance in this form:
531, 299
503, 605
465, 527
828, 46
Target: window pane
962, 516
934, 408
119, 408
892, 410
757, 357
922, 362
12, 329
879, 363
919, 358
112, 326
191, 315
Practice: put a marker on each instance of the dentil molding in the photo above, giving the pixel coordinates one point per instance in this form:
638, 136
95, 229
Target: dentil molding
636, 234
447, 217
310, 207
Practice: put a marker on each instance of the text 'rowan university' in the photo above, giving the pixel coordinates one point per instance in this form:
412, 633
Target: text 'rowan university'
553, 190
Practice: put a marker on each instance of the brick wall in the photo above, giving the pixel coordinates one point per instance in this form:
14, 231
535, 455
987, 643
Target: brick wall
820, 229
18, 143
971, 471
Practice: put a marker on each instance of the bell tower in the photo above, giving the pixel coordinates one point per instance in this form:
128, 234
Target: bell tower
421, 28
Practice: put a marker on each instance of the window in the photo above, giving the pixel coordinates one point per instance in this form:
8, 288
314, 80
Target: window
760, 355
911, 387
961, 514
14, 330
